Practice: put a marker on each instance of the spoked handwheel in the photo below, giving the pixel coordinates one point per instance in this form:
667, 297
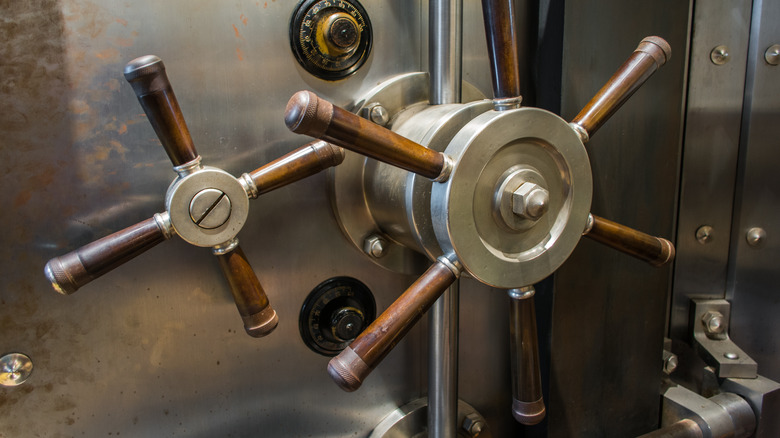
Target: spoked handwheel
205, 206
498, 191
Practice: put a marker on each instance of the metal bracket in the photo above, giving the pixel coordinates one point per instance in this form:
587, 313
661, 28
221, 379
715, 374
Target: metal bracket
725, 414
710, 326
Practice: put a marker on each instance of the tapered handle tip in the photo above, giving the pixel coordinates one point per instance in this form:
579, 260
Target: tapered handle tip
143, 66
656, 47
528, 413
307, 114
667, 253
57, 273
261, 323
348, 370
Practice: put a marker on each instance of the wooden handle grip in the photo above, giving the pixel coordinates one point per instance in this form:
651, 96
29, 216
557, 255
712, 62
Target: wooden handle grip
356, 362
527, 402
259, 317
501, 35
298, 164
69, 272
651, 54
308, 114
150, 83
654, 250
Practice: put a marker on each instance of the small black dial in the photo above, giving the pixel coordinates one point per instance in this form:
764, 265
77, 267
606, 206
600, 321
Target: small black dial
331, 39
335, 313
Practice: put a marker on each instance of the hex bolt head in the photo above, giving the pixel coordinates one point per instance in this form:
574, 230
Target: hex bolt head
720, 55
530, 201
473, 424
670, 362
713, 322
375, 246
210, 208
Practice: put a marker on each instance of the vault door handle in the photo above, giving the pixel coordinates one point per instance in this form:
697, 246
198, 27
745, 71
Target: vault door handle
527, 402
654, 250
67, 273
501, 36
652, 53
356, 362
151, 85
308, 114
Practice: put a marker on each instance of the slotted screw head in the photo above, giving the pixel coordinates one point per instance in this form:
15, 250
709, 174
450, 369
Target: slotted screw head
210, 208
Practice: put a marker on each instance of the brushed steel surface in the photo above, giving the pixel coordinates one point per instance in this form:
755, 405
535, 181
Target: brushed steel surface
154, 348
709, 162
753, 275
609, 309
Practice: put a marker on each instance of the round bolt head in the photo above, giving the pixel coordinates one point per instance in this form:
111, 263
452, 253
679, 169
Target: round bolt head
210, 208
772, 55
705, 234
713, 322
731, 356
379, 115
530, 201
756, 236
374, 246
15, 369
720, 55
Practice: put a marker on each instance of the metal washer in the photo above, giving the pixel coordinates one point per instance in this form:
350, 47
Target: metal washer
181, 192
465, 221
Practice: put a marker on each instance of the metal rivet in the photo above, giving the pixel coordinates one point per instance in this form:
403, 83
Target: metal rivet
210, 208
772, 55
377, 114
704, 234
720, 55
375, 246
732, 356
756, 236
15, 369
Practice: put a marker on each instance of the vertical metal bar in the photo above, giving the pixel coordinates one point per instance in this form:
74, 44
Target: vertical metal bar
445, 49
443, 365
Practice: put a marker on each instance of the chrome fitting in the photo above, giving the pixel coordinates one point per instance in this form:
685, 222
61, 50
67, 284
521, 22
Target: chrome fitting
451, 262
163, 221
189, 167
224, 248
581, 132
446, 170
249, 186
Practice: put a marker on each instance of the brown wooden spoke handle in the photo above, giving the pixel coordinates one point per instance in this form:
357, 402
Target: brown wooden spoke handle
298, 164
527, 401
69, 272
259, 317
356, 362
501, 36
654, 250
310, 115
150, 83
651, 54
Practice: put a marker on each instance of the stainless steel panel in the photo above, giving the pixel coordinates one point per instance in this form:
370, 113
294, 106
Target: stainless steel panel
608, 314
712, 128
156, 348
754, 276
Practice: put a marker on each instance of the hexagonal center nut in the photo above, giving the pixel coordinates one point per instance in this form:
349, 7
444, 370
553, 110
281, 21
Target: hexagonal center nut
530, 201
713, 322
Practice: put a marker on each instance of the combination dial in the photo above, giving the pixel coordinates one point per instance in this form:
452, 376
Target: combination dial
331, 39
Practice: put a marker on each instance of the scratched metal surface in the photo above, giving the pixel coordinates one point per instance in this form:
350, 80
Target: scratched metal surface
156, 348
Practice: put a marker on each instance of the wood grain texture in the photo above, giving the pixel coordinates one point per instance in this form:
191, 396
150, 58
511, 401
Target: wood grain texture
308, 114
301, 163
259, 317
77, 268
502, 42
652, 53
654, 250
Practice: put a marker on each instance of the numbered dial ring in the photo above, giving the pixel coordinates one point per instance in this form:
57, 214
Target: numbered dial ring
331, 39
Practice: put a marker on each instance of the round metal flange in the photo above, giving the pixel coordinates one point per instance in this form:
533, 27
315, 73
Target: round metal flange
401, 97
207, 207
15, 369
467, 217
411, 421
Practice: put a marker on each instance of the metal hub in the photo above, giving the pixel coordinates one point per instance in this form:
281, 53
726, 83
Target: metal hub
534, 155
208, 206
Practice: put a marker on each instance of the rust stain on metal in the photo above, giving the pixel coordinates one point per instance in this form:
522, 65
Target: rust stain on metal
239, 54
238, 34
244, 19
